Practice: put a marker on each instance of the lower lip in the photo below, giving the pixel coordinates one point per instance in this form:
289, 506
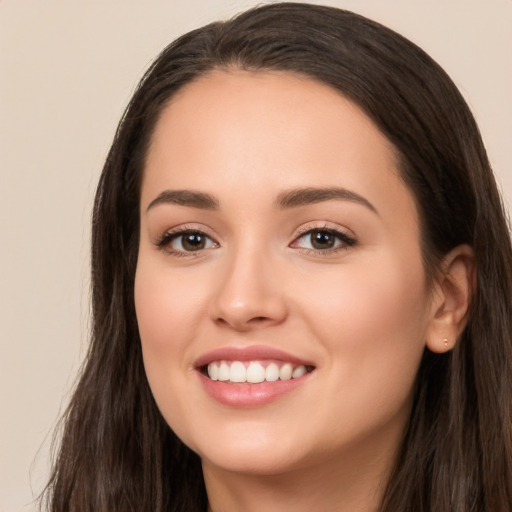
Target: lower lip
249, 395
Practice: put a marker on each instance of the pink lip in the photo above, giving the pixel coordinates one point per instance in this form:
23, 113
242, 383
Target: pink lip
252, 353
249, 395
244, 394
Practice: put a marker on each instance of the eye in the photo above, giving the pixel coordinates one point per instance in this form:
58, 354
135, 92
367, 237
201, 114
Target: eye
186, 241
323, 239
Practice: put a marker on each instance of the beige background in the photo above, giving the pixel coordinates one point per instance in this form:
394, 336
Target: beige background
67, 69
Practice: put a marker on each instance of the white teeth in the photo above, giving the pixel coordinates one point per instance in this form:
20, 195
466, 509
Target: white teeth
299, 372
272, 372
213, 371
223, 371
285, 373
237, 372
255, 373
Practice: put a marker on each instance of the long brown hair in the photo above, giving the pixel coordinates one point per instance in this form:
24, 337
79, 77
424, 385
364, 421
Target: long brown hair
118, 454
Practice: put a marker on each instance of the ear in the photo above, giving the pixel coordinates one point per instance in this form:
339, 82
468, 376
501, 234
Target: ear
452, 293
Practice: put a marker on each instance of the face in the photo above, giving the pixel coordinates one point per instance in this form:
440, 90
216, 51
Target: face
278, 245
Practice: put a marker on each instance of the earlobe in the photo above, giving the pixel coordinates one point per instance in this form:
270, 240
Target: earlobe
452, 295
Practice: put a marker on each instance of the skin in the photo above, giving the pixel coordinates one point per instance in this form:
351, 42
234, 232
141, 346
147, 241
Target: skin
362, 314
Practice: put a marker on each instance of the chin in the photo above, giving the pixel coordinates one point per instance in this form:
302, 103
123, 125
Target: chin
254, 451
255, 462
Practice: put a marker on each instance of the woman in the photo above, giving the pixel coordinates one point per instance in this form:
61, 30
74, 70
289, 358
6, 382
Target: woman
301, 284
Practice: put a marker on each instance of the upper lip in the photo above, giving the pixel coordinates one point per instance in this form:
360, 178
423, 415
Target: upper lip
250, 353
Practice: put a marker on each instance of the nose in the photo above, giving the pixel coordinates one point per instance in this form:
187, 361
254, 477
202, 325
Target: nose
249, 294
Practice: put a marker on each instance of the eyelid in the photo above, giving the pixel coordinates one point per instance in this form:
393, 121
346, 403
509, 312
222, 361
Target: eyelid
163, 242
323, 225
345, 235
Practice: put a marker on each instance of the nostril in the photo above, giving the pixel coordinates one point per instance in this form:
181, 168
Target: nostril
259, 319
255, 322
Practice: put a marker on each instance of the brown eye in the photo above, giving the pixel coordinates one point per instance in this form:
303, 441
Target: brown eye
193, 241
190, 241
322, 239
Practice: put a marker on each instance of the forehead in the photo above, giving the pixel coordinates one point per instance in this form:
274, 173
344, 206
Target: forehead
239, 100
239, 107
268, 131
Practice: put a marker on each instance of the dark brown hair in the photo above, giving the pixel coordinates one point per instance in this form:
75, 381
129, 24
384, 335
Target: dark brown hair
118, 454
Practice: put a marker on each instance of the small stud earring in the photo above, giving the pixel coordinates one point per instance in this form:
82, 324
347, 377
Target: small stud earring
445, 340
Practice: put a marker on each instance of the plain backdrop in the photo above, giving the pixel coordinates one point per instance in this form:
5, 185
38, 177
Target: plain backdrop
67, 70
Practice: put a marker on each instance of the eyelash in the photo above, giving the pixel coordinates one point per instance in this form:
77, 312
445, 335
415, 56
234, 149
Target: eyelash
344, 240
164, 243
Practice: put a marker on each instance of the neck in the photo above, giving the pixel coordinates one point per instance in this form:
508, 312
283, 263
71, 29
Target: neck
356, 485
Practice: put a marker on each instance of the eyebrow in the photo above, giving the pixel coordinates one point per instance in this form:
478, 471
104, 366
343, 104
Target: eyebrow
311, 195
289, 199
186, 198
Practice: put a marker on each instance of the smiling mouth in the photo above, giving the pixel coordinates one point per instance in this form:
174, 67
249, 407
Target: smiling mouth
254, 372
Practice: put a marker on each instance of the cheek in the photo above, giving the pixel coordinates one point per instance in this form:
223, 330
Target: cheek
166, 306
371, 321
167, 309
371, 326
366, 300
